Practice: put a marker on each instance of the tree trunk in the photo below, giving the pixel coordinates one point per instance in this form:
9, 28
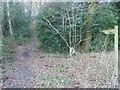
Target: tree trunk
1, 32
9, 20
88, 35
30, 9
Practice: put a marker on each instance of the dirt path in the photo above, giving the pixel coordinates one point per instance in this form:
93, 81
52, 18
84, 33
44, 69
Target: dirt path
34, 70
23, 75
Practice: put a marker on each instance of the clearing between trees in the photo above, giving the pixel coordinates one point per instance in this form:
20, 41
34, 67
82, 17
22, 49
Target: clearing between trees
35, 69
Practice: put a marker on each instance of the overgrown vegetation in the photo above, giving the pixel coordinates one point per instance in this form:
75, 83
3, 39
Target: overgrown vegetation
16, 21
80, 27
61, 26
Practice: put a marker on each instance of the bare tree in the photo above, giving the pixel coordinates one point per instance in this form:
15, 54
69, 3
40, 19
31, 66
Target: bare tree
73, 41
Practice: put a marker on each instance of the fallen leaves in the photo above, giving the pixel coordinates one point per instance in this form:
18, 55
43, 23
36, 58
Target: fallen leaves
55, 71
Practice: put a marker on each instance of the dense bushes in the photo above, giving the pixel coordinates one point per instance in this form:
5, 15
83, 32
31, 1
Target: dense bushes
16, 16
104, 19
20, 21
70, 20
50, 40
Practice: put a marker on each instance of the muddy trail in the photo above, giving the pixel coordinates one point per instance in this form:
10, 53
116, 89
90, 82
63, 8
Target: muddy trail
23, 73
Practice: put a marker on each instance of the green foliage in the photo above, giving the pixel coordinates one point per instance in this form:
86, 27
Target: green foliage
49, 39
21, 40
4, 20
103, 18
60, 69
20, 20
7, 49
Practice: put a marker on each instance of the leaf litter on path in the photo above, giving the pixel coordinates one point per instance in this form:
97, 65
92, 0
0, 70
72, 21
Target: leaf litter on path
87, 70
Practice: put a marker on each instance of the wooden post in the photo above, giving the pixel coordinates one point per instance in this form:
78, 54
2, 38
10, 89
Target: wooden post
115, 32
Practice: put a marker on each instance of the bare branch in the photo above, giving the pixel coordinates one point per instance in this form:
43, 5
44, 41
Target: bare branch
54, 28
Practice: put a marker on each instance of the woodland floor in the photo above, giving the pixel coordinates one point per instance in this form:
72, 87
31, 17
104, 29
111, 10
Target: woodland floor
35, 69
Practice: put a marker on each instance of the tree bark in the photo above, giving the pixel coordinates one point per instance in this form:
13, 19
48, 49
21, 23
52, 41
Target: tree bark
9, 20
91, 11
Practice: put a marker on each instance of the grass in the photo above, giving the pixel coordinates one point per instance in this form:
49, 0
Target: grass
6, 54
7, 57
12, 40
61, 69
60, 79
9, 40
